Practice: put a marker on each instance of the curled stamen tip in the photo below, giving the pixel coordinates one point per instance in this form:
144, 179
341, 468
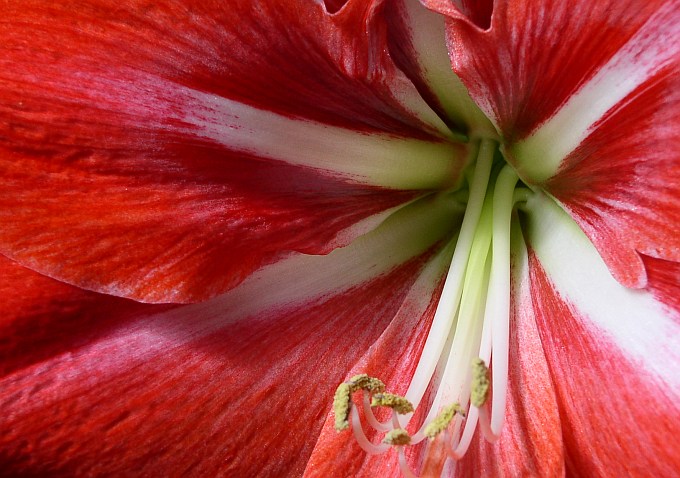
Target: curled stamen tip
341, 406
364, 382
439, 424
480, 383
398, 436
343, 397
396, 402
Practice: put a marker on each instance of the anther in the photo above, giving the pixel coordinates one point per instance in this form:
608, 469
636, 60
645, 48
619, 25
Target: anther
480, 383
341, 406
364, 382
398, 436
439, 424
397, 403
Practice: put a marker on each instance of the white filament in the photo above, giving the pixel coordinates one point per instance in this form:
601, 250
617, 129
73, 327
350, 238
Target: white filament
446, 309
498, 305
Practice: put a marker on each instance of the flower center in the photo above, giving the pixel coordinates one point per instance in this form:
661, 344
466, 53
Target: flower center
469, 334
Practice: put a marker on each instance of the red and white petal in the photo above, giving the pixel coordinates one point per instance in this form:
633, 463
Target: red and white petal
151, 236
233, 386
408, 233
417, 44
647, 60
613, 353
623, 181
153, 396
165, 152
590, 113
531, 441
532, 58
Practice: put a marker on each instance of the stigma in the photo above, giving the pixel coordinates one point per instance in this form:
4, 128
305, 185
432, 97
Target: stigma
465, 356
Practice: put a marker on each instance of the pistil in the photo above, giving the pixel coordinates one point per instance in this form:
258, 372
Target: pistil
468, 335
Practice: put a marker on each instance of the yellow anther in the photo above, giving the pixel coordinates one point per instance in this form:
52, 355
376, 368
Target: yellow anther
398, 436
364, 382
395, 402
439, 424
343, 395
480, 383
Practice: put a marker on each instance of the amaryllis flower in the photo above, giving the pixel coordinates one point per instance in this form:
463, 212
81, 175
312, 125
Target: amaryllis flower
215, 214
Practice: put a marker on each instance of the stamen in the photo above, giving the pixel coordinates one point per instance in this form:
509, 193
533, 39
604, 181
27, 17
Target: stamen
470, 326
480, 383
498, 302
396, 402
343, 397
370, 416
453, 286
398, 436
467, 333
439, 424
460, 448
360, 436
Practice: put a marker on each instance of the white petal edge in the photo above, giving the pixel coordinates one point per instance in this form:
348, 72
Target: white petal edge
633, 319
653, 47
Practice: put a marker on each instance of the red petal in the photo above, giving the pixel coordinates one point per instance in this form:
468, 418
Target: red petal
116, 116
332, 6
199, 390
476, 13
617, 419
664, 283
41, 317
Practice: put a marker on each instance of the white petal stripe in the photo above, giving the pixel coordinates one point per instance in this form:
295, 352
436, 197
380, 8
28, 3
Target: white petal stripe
377, 159
633, 319
651, 49
380, 159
